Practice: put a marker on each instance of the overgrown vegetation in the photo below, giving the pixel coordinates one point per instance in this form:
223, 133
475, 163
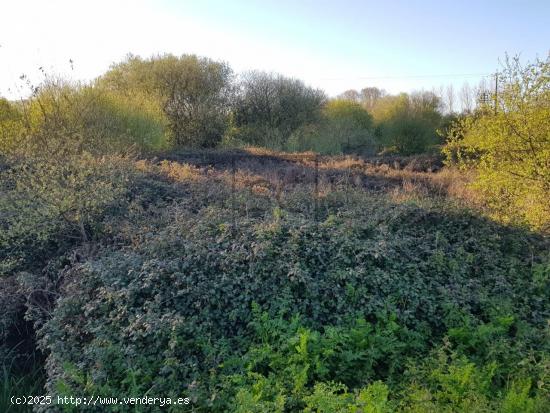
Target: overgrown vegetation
419, 302
252, 280
344, 127
408, 123
194, 93
509, 145
270, 108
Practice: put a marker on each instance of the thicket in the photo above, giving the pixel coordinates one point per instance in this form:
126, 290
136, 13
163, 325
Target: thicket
66, 162
344, 127
408, 124
381, 306
508, 144
131, 278
205, 105
194, 93
270, 108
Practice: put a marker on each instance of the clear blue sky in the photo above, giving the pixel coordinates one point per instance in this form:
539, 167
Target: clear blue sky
332, 45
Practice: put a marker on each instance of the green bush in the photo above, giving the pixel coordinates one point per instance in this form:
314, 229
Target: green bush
270, 108
509, 147
62, 119
65, 161
51, 204
344, 127
406, 123
193, 93
171, 314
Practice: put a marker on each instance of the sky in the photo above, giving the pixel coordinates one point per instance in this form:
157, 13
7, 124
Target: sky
397, 45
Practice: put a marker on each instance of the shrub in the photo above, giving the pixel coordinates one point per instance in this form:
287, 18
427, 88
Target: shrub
509, 146
193, 92
61, 119
49, 204
408, 123
344, 127
172, 312
269, 108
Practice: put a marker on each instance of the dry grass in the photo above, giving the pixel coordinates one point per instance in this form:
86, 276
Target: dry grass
180, 172
277, 175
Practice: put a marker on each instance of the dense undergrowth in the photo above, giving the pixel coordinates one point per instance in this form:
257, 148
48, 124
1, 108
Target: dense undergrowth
252, 280
377, 296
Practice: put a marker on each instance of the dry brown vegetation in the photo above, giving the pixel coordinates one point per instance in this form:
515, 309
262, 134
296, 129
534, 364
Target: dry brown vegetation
276, 174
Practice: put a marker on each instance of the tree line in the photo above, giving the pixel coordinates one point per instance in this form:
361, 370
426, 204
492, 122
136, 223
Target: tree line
167, 101
193, 101
206, 104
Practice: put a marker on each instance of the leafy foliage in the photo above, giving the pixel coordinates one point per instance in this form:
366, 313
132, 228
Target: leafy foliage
48, 206
408, 123
315, 290
344, 127
171, 314
510, 147
270, 108
193, 92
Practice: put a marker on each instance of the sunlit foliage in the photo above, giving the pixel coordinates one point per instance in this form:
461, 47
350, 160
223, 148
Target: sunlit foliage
509, 145
193, 92
408, 123
345, 126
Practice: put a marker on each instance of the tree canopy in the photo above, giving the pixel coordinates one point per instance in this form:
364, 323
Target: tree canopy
509, 144
270, 108
194, 92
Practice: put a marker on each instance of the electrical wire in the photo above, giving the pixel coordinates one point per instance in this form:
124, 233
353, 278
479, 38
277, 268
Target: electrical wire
460, 75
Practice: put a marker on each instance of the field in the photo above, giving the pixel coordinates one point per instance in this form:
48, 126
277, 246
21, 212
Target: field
173, 231
252, 280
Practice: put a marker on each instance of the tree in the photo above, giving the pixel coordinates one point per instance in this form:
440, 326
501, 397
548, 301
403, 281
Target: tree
467, 98
270, 108
367, 97
509, 146
350, 125
345, 126
408, 123
350, 94
370, 96
450, 99
195, 93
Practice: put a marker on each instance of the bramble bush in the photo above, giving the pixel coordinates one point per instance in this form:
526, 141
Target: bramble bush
66, 157
284, 313
133, 279
66, 163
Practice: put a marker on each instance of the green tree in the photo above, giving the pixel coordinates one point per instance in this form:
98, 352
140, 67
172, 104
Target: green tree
408, 123
270, 108
345, 126
508, 143
194, 93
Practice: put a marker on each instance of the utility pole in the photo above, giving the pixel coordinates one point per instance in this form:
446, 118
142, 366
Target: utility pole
496, 92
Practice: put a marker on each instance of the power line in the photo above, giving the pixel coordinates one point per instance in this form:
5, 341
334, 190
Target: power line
462, 75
